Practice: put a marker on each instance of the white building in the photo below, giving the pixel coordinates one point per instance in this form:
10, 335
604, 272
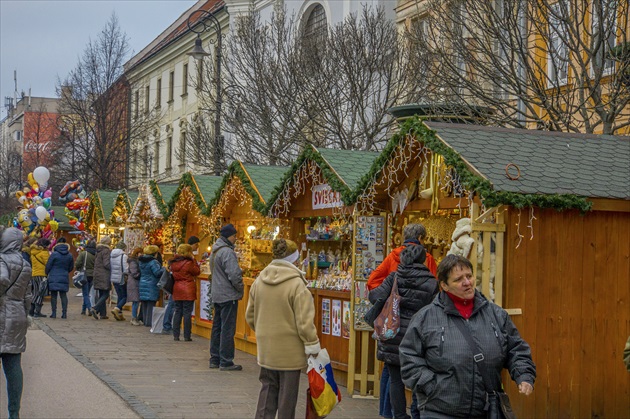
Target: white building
163, 77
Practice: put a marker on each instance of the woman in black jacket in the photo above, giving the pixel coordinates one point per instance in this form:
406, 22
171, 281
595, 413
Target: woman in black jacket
417, 288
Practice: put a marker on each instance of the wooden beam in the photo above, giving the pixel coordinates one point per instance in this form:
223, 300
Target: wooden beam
619, 205
488, 227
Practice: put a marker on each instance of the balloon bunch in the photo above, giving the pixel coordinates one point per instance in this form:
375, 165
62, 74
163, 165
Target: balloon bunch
36, 218
77, 204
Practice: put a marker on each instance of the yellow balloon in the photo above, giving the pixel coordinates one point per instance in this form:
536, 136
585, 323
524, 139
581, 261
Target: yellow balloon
54, 225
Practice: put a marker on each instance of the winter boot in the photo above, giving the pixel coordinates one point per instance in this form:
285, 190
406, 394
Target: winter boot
64, 314
54, 314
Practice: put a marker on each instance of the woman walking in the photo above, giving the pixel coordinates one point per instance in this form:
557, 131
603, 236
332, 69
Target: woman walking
58, 269
102, 281
15, 302
119, 273
133, 281
150, 273
39, 285
185, 270
417, 287
85, 260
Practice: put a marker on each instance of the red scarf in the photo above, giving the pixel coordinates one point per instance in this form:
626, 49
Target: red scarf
465, 307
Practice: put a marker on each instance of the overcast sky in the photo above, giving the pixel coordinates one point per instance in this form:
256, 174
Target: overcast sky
42, 39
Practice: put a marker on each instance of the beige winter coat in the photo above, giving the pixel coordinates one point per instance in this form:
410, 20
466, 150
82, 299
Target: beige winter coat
282, 313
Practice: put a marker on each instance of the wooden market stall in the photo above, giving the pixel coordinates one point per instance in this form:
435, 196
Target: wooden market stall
243, 193
99, 220
187, 208
316, 196
548, 218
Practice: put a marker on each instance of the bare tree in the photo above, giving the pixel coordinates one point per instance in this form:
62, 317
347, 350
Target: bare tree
10, 173
99, 121
553, 64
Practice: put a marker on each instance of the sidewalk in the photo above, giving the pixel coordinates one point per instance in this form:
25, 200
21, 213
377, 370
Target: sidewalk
151, 374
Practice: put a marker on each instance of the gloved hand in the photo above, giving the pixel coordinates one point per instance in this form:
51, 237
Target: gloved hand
312, 349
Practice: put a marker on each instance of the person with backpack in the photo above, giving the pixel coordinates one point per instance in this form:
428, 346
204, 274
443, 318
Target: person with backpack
133, 281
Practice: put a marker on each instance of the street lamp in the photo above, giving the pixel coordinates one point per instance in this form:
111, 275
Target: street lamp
207, 21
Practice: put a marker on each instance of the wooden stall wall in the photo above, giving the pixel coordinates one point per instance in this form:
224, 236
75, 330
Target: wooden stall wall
572, 281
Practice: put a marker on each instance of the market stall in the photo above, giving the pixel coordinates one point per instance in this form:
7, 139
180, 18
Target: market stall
243, 194
99, 221
536, 213
316, 196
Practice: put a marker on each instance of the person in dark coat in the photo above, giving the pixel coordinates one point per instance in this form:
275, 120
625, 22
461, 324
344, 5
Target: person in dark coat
417, 287
438, 364
133, 281
58, 268
85, 260
185, 269
15, 302
150, 273
102, 278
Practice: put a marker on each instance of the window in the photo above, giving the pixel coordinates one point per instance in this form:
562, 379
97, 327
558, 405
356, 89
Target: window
133, 173
558, 55
199, 75
147, 104
171, 85
156, 157
136, 104
316, 26
147, 160
604, 38
17, 136
185, 80
169, 150
182, 148
158, 97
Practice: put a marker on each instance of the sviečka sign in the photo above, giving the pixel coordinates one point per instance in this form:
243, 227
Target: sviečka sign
325, 197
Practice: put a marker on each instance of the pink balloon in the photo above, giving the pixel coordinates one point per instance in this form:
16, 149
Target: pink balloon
48, 193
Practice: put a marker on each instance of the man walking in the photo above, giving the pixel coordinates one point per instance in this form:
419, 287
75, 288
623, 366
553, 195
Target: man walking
227, 290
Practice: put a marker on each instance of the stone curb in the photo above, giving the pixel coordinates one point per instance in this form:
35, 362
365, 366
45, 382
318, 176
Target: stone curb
138, 406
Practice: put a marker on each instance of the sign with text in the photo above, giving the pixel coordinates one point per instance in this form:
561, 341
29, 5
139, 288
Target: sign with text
325, 197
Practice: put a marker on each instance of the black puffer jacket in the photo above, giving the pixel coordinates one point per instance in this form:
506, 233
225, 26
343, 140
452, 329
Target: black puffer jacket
417, 287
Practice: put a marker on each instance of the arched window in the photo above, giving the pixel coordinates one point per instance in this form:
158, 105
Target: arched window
316, 26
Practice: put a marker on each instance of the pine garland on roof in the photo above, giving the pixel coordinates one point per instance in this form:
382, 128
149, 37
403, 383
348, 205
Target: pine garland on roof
159, 201
236, 169
187, 180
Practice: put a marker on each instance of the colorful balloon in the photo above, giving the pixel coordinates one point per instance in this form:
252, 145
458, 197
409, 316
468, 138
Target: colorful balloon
41, 174
41, 213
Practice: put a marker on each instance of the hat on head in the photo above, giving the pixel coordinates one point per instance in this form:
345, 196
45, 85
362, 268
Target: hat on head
228, 230
121, 245
151, 249
184, 250
285, 249
106, 240
192, 240
414, 253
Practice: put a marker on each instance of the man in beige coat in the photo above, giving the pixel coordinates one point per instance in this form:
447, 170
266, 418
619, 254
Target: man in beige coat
282, 313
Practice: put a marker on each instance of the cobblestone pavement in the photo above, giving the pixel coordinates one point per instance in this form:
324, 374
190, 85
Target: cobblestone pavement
161, 378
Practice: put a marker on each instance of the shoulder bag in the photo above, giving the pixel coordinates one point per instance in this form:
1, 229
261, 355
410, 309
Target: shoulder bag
497, 401
79, 279
166, 281
387, 323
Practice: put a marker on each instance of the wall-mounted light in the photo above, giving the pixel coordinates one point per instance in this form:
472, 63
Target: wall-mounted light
250, 229
101, 226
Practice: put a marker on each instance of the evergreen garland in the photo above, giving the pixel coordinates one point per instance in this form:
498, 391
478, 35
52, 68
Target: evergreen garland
187, 180
159, 201
415, 127
236, 169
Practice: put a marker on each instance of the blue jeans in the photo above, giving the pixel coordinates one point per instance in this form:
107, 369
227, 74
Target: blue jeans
167, 323
384, 404
134, 309
12, 365
86, 295
415, 413
223, 330
183, 309
397, 392
121, 292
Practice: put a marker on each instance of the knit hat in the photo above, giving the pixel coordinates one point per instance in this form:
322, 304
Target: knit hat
121, 245
285, 249
151, 249
228, 230
192, 240
414, 253
184, 249
106, 240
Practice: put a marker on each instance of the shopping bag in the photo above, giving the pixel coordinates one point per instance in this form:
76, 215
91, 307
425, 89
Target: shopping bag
387, 324
79, 279
166, 281
158, 319
324, 391
310, 408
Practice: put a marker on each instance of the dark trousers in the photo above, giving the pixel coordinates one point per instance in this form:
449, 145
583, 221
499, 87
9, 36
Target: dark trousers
101, 302
397, 392
222, 337
147, 312
384, 405
183, 309
87, 287
279, 393
121, 293
12, 366
167, 323
64, 302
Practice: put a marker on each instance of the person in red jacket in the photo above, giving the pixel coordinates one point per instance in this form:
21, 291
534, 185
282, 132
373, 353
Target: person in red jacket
413, 234
185, 269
